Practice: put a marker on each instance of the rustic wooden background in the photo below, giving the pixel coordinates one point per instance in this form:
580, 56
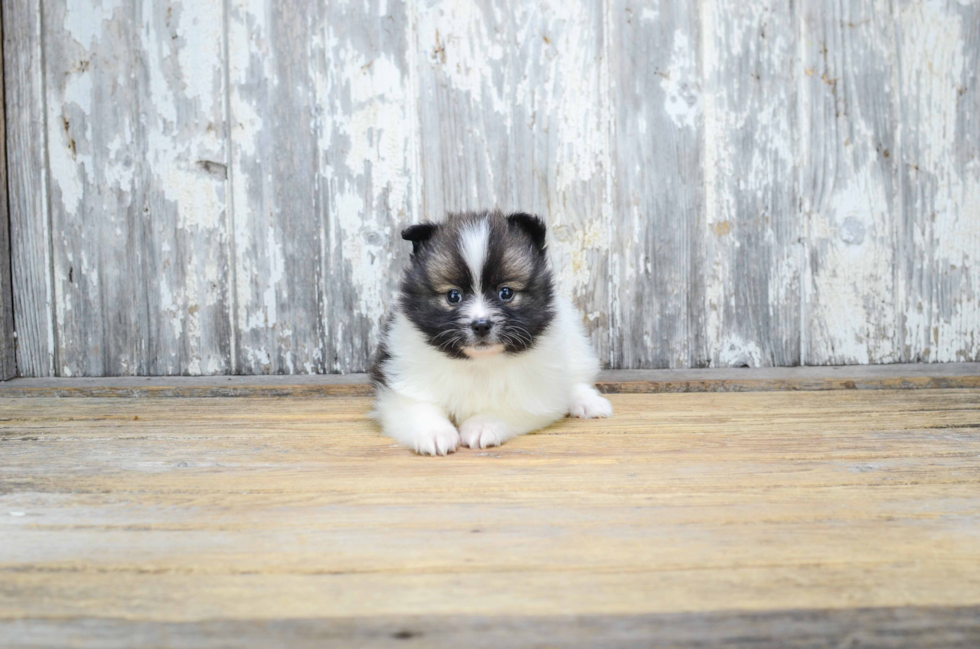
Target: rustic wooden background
207, 187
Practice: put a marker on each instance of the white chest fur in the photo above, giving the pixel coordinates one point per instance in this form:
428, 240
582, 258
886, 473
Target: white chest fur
490, 399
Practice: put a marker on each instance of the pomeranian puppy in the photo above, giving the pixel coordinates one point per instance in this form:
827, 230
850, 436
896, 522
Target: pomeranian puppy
478, 339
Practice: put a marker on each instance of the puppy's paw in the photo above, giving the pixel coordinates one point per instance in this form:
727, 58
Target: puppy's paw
587, 403
438, 438
483, 432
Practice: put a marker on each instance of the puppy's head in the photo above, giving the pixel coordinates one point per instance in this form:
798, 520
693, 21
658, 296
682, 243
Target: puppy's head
479, 284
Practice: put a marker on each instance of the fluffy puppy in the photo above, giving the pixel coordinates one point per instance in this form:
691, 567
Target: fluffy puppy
478, 339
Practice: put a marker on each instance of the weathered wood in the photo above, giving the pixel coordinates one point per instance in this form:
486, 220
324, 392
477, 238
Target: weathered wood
8, 360
218, 188
128, 514
753, 255
135, 97
938, 160
853, 377
924, 627
369, 177
850, 193
30, 240
657, 310
309, 385
318, 214
514, 104
278, 220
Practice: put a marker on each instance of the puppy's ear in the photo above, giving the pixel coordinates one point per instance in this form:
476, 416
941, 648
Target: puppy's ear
531, 225
419, 234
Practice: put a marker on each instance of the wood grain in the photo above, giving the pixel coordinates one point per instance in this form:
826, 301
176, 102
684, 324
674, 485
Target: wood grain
946, 628
278, 222
30, 238
752, 264
136, 155
129, 515
939, 180
850, 182
369, 168
325, 93
8, 359
658, 232
218, 188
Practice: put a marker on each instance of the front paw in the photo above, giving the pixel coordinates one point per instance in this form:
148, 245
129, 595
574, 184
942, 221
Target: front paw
483, 432
437, 439
587, 403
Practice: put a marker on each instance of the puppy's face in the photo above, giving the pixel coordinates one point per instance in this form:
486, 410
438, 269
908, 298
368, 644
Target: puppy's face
479, 284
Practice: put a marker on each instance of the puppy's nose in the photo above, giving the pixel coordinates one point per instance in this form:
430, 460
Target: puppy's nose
482, 327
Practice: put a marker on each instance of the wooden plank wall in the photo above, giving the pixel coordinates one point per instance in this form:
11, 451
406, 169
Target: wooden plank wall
8, 362
30, 243
210, 188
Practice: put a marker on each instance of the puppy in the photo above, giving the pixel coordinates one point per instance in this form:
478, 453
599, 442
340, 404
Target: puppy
478, 339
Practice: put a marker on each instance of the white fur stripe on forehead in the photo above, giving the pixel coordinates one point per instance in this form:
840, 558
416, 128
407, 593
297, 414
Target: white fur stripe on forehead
473, 241
476, 308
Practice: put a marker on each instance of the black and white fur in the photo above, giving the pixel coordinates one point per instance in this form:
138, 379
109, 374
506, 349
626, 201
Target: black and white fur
479, 340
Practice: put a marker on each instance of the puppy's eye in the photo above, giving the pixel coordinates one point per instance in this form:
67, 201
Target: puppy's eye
454, 297
506, 294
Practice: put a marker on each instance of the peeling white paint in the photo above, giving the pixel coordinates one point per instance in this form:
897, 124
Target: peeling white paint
171, 306
854, 312
176, 150
682, 85
277, 270
736, 352
716, 165
749, 141
567, 99
946, 193
369, 104
200, 35
84, 20
650, 14
457, 35
515, 103
132, 170
70, 171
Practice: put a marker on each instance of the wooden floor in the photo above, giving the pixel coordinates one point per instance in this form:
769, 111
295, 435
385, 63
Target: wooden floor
755, 519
